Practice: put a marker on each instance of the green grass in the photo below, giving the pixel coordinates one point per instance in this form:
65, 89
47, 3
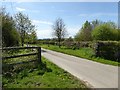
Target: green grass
87, 53
18, 52
34, 75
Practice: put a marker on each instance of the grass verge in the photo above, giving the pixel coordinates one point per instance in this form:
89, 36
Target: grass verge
87, 53
34, 75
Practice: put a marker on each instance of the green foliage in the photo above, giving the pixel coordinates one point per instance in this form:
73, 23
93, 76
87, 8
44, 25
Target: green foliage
108, 50
112, 24
68, 42
96, 23
10, 36
118, 34
34, 75
59, 30
87, 53
77, 37
25, 27
85, 33
104, 32
98, 30
31, 38
18, 31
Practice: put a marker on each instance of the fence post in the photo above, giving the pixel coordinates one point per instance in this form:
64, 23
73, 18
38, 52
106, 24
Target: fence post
39, 54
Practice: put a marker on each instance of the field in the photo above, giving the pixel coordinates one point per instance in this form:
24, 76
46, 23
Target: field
35, 75
87, 53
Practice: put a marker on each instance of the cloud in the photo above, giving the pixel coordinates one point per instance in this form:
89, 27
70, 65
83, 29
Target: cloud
20, 9
44, 33
42, 22
45, 30
73, 30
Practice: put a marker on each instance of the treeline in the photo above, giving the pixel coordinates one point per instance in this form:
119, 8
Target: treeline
90, 31
17, 30
95, 30
98, 30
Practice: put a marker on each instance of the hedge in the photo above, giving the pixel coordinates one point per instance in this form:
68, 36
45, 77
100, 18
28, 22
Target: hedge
108, 50
75, 45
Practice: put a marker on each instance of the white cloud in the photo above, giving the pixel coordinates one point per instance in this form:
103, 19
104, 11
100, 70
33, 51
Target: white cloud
20, 9
46, 33
42, 22
72, 31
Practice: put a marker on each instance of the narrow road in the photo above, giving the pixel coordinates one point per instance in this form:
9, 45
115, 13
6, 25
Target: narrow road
94, 74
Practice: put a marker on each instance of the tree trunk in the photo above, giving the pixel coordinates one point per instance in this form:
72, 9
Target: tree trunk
59, 43
22, 41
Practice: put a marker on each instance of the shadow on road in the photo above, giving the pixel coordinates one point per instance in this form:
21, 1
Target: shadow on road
43, 51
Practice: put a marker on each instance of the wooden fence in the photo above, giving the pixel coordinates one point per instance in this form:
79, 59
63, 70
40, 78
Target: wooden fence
38, 53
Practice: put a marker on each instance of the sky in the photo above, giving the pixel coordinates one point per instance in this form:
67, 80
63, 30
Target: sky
74, 14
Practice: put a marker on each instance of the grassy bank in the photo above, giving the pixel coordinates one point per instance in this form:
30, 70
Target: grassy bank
87, 53
34, 75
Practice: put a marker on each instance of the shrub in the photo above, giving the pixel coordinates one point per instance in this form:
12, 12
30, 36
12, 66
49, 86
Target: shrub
104, 32
108, 50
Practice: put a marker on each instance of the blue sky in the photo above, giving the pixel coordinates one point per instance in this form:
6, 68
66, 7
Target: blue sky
74, 14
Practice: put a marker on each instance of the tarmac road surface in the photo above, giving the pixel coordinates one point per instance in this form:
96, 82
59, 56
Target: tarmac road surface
95, 74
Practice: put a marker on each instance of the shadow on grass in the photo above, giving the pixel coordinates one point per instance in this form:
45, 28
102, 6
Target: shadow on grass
23, 70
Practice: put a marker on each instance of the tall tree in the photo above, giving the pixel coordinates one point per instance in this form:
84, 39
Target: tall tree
23, 25
59, 30
10, 36
31, 37
85, 32
96, 23
104, 32
112, 24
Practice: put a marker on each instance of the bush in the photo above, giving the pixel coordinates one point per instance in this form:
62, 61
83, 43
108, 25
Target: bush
108, 50
76, 45
104, 32
10, 36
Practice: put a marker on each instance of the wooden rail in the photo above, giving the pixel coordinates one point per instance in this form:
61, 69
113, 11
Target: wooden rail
16, 48
7, 57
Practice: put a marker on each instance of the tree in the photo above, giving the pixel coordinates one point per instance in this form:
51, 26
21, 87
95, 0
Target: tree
104, 32
31, 37
118, 34
77, 37
59, 30
96, 23
85, 33
23, 25
10, 36
112, 24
